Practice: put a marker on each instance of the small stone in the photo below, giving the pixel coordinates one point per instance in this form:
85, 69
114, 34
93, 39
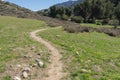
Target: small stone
16, 78
30, 56
24, 74
34, 65
49, 61
84, 70
40, 63
27, 69
38, 60
19, 66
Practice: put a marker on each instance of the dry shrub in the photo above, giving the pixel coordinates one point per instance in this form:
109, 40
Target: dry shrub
71, 29
108, 31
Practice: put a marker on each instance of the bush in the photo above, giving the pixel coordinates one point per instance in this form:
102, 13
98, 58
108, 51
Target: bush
98, 22
110, 22
71, 29
58, 16
65, 17
77, 19
115, 23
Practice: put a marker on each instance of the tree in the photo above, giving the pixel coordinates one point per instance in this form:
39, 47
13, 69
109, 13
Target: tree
53, 11
60, 10
98, 8
68, 11
117, 11
109, 10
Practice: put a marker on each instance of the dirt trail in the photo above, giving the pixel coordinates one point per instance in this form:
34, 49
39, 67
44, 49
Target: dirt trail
54, 70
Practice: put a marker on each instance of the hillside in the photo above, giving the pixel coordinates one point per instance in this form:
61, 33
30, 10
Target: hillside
69, 3
10, 9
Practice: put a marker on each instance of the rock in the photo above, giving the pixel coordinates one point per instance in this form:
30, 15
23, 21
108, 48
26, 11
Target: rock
34, 65
27, 69
19, 66
84, 70
37, 59
40, 63
25, 74
16, 78
49, 61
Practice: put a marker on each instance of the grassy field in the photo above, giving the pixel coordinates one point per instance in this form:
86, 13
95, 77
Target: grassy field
14, 36
88, 56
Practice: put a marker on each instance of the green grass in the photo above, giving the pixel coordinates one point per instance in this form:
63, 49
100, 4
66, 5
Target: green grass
6, 78
96, 26
14, 34
88, 56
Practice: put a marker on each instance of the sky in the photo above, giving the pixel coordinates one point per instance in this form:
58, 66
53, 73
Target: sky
35, 5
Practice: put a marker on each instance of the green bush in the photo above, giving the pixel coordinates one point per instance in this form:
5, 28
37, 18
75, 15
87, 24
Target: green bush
98, 22
65, 17
77, 19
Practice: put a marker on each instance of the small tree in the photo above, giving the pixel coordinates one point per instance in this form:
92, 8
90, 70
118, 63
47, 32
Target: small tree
115, 23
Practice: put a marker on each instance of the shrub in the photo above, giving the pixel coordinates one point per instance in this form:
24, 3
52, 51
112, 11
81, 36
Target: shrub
77, 19
58, 16
115, 23
65, 17
71, 29
98, 22
110, 22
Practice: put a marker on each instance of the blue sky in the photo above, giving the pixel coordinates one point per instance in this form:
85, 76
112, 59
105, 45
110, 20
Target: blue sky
36, 4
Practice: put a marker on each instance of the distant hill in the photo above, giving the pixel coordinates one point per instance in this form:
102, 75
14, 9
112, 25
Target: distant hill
69, 3
10, 9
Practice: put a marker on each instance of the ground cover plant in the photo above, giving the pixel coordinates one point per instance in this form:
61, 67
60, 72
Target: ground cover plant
16, 43
88, 56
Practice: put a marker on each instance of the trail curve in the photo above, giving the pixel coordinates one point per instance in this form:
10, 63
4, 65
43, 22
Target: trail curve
54, 70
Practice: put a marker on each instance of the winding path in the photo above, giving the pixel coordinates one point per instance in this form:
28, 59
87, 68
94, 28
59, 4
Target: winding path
54, 70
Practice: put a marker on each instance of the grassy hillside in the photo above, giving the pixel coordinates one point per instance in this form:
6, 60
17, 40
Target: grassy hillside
11, 9
88, 56
15, 41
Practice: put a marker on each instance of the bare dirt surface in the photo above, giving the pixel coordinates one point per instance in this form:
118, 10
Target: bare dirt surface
54, 70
